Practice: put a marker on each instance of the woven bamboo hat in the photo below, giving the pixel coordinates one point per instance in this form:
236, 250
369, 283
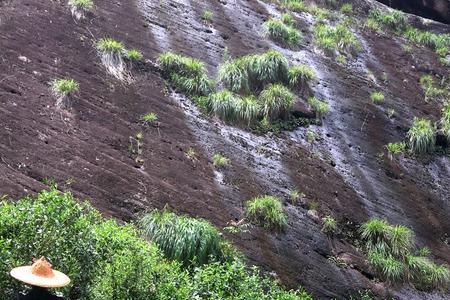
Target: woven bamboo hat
41, 274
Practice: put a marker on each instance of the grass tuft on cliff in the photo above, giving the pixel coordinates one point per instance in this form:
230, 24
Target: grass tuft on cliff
280, 32
421, 136
266, 211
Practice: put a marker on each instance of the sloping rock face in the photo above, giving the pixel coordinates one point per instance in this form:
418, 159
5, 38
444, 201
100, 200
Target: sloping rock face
87, 149
438, 10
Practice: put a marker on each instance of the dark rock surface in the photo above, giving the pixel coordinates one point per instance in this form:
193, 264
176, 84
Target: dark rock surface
438, 10
86, 150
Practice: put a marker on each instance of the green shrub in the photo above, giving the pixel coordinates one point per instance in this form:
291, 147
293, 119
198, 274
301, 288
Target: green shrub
389, 252
186, 74
276, 100
223, 105
445, 119
439, 42
110, 45
82, 5
133, 54
280, 32
220, 161
395, 149
329, 225
347, 8
300, 75
248, 109
187, 240
233, 74
64, 87
421, 136
267, 211
288, 19
149, 118
295, 5
430, 89
377, 97
336, 38
395, 19
207, 15
320, 107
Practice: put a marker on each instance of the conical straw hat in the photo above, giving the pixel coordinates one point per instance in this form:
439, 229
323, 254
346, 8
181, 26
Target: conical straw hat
41, 274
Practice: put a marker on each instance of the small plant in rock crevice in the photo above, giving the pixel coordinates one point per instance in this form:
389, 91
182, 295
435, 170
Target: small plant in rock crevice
220, 161
336, 39
63, 89
295, 195
79, 8
432, 92
300, 75
377, 97
445, 120
191, 154
111, 53
207, 16
421, 136
395, 149
149, 118
133, 55
329, 225
266, 211
320, 107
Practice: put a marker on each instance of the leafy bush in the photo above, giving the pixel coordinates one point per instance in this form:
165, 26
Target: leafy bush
267, 211
336, 38
185, 239
421, 136
133, 54
390, 251
445, 119
185, 73
220, 161
276, 100
329, 225
300, 75
64, 87
280, 32
107, 261
377, 97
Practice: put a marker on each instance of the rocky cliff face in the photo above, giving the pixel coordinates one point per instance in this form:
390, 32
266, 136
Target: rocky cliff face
86, 149
438, 10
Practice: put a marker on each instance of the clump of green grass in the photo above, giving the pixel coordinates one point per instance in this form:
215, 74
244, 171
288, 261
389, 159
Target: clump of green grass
295, 195
220, 161
300, 75
394, 19
445, 120
288, 19
267, 211
223, 105
233, 74
63, 88
421, 136
188, 240
186, 74
430, 89
320, 107
133, 54
347, 8
149, 118
276, 100
329, 225
110, 45
336, 38
281, 32
295, 5
248, 109
438, 42
207, 15
390, 249
377, 97
395, 149
111, 52
80, 7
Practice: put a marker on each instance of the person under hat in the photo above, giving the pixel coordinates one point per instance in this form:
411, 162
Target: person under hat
40, 276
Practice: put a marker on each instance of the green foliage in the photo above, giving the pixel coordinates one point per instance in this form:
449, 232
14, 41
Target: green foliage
220, 161
421, 136
347, 8
395, 149
64, 87
187, 240
281, 32
430, 89
295, 195
390, 251
150, 117
320, 107
223, 104
110, 45
207, 15
439, 42
377, 97
267, 211
329, 225
288, 19
445, 119
233, 74
248, 109
300, 75
85, 5
336, 38
394, 19
276, 100
133, 54
295, 5
186, 74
